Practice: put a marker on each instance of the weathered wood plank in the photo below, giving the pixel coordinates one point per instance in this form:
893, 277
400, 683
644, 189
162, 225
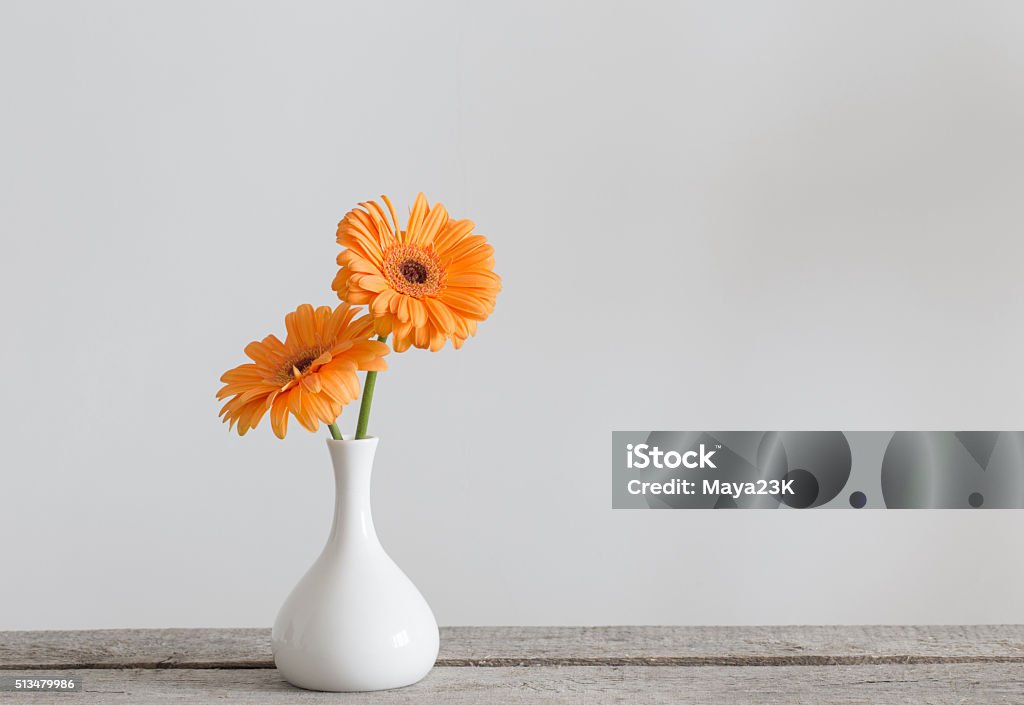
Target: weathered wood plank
936, 684
541, 646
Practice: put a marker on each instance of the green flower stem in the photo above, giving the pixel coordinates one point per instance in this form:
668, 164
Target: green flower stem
335, 432
364, 405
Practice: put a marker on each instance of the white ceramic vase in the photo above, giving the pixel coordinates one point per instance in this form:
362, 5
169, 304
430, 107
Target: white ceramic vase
355, 621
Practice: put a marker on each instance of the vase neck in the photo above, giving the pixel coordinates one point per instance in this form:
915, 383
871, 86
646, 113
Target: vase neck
353, 467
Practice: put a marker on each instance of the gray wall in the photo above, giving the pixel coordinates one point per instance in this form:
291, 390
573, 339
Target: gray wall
711, 215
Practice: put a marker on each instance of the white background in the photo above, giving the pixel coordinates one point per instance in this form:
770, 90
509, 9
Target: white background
712, 215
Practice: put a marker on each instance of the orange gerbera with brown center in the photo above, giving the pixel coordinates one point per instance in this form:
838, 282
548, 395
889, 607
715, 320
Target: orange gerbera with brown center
311, 375
428, 283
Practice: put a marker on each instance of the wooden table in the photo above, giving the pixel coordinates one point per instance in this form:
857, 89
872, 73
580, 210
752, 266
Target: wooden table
592, 665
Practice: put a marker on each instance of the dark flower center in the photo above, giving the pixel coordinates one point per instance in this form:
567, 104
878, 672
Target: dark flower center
414, 272
304, 363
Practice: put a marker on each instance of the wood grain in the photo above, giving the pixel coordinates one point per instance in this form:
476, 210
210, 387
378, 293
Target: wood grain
542, 646
936, 684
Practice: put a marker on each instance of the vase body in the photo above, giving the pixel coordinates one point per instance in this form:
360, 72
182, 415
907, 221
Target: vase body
354, 622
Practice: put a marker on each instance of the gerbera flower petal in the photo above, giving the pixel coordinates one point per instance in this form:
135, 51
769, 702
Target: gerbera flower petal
375, 365
380, 221
319, 407
403, 313
260, 349
436, 219
312, 383
380, 304
437, 338
470, 306
452, 233
336, 385
440, 315
416, 215
359, 329
301, 323
372, 282
249, 416
382, 324
279, 415
360, 297
403, 336
467, 251
418, 312
421, 336
474, 279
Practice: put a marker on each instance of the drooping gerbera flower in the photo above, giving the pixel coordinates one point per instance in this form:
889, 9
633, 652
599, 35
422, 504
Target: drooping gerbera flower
311, 375
428, 283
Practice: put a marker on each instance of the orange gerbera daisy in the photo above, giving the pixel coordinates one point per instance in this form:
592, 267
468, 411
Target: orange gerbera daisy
428, 283
311, 375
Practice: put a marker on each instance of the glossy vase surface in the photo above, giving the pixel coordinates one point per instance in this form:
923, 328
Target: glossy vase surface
354, 622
